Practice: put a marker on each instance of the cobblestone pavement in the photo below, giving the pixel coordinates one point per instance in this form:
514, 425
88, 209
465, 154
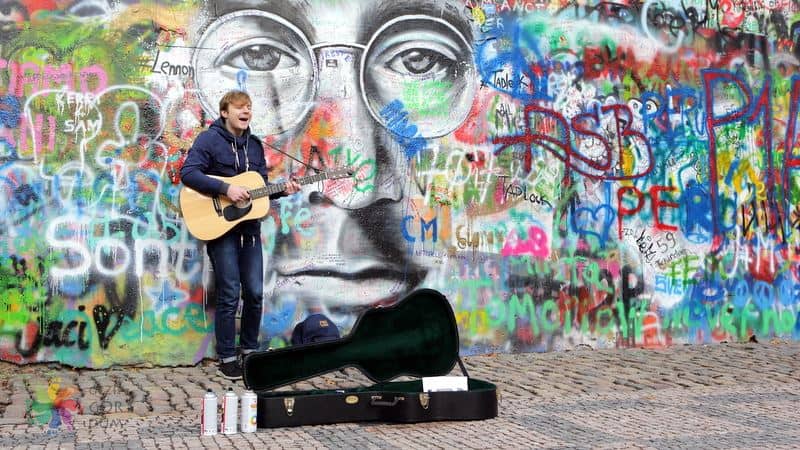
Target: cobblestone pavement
718, 396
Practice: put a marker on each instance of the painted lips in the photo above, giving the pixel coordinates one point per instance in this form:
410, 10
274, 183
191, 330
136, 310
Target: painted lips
366, 283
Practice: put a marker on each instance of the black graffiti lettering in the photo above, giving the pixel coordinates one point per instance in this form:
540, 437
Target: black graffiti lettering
515, 190
102, 319
52, 336
32, 349
82, 343
631, 290
56, 335
65, 334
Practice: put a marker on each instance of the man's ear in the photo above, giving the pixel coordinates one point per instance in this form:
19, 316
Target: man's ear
224, 113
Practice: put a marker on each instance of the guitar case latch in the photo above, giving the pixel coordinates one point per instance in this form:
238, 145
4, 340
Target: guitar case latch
424, 399
288, 404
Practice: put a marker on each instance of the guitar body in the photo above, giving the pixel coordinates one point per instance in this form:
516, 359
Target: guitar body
208, 218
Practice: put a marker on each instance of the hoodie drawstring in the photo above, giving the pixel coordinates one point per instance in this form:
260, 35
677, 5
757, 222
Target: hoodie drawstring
246, 157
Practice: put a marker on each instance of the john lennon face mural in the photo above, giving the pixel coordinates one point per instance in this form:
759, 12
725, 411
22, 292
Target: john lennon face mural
371, 85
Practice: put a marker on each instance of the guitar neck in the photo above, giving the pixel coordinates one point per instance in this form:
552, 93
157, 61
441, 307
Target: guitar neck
279, 187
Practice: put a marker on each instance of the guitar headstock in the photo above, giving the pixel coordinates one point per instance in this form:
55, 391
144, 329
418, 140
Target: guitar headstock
340, 172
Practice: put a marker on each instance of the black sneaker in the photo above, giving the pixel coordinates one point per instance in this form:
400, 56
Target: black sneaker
230, 370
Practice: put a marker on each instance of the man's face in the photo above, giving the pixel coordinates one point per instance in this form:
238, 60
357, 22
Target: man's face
361, 83
237, 116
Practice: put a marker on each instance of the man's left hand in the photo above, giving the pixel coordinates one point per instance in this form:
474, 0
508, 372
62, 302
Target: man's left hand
291, 187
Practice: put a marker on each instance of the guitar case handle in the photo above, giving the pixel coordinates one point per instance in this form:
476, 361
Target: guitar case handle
377, 400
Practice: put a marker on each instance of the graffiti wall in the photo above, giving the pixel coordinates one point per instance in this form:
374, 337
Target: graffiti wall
567, 173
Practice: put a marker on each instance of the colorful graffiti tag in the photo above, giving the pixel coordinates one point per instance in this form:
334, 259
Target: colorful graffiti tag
567, 173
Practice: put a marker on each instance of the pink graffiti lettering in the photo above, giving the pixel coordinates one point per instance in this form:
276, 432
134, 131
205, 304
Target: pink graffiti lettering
27, 78
536, 245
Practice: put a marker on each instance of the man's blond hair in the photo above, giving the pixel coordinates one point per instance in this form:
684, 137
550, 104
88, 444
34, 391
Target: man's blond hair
233, 97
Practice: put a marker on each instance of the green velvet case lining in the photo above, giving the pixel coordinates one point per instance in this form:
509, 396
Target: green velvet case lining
417, 336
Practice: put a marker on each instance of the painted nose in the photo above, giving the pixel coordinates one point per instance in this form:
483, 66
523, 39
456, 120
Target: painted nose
342, 128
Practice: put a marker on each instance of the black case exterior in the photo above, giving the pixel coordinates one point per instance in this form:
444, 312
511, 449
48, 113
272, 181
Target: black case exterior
417, 336
398, 402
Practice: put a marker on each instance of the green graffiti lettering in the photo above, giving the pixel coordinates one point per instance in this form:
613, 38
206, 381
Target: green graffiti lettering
521, 310
477, 321
767, 316
726, 318
747, 316
623, 321
585, 324
788, 321
605, 321
144, 327
550, 308
195, 317
361, 176
174, 313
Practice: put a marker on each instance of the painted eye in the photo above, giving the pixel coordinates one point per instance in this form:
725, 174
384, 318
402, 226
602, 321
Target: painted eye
258, 57
261, 53
419, 61
89, 8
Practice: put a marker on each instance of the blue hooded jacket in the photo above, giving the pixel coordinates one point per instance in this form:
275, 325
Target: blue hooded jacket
212, 153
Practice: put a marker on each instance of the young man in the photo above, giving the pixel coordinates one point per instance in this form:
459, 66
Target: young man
226, 149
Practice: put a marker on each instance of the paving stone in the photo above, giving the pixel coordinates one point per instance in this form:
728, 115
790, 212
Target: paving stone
158, 394
15, 411
140, 408
160, 408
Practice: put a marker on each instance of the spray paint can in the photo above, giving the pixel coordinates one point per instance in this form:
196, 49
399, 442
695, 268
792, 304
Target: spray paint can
208, 414
249, 411
230, 410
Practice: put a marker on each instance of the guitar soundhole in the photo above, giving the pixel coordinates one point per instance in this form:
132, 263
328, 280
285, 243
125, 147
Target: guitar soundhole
234, 211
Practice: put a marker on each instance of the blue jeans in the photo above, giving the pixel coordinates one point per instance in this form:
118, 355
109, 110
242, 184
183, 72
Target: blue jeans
237, 263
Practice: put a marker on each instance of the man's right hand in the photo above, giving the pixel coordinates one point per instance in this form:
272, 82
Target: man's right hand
237, 193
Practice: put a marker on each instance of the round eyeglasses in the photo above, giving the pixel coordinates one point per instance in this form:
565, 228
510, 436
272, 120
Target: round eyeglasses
416, 74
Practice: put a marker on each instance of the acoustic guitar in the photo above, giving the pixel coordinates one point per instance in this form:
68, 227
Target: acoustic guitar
209, 217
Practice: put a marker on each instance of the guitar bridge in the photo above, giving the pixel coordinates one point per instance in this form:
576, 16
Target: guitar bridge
217, 205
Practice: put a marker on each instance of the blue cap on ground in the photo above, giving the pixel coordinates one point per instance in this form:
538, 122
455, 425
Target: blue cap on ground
315, 328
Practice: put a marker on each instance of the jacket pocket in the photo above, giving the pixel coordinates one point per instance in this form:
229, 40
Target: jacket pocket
226, 164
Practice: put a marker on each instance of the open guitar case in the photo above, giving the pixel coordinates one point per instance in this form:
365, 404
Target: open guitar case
415, 337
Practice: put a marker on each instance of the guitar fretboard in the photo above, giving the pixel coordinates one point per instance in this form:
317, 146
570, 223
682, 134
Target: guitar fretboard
275, 188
